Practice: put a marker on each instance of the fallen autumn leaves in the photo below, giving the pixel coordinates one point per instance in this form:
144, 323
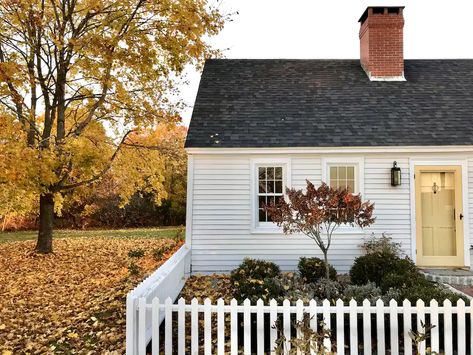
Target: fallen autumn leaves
72, 301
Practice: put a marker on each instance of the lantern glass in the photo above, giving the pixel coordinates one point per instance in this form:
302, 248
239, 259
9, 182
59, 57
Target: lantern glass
395, 175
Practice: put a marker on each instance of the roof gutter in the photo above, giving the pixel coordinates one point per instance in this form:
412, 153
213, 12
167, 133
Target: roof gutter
334, 150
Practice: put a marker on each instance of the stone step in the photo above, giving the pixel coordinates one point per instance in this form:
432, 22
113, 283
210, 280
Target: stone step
466, 280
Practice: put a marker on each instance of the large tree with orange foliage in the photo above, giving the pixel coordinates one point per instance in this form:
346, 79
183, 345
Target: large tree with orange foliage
81, 80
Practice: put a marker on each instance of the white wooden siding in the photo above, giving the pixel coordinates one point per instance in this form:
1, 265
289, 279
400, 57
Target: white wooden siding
392, 203
221, 210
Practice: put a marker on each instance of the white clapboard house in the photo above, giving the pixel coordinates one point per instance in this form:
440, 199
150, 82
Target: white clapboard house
261, 125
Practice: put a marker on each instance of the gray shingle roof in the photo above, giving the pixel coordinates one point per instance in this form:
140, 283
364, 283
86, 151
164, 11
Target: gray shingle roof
327, 103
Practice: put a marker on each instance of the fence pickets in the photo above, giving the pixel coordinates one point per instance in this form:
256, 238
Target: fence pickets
213, 328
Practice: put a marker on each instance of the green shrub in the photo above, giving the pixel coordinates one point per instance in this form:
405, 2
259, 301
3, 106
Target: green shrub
328, 289
392, 294
255, 279
180, 234
133, 269
158, 253
371, 268
400, 279
359, 293
383, 245
430, 292
136, 253
313, 269
375, 267
294, 287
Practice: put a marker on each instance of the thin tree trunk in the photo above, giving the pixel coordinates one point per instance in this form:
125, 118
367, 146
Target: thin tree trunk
46, 218
327, 268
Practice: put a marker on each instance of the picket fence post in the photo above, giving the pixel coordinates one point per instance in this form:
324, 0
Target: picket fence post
287, 323
340, 317
327, 322
233, 327
420, 321
407, 314
260, 327
447, 329
470, 309
220, 328
434, 320
155, 326
207, 327
367, 346
247, 327
381, 347
461, 327
313, 314
168, 326
393, 325
273, 332
142, 326
181, 327
299, 314
353, 328
194, 327
131, 325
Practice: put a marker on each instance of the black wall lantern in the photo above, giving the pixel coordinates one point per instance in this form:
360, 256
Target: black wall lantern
395, 175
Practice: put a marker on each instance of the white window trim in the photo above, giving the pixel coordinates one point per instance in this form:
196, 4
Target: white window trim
266, 227
359, 163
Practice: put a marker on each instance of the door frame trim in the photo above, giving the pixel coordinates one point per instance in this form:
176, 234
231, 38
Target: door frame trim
465, 188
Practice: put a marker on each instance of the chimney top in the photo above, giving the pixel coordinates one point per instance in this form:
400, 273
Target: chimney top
380, 10
382, 42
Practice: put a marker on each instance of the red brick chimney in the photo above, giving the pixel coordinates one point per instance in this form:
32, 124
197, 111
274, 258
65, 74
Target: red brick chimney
381, 43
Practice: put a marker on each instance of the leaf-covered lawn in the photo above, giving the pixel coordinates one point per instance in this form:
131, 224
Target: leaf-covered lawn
213, 286
72, 301
168, 232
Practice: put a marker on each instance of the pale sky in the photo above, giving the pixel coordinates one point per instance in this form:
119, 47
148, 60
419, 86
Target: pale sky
329, 29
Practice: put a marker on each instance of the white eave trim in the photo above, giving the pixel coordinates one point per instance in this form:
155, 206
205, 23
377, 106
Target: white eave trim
331, 150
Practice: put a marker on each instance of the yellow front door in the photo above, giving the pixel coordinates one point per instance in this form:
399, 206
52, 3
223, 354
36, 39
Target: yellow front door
439, 216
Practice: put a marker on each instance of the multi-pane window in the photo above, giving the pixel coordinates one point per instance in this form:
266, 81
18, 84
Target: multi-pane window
343, 176
270, 189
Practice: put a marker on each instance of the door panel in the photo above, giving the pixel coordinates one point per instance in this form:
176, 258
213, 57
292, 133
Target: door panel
438, 208
438, 220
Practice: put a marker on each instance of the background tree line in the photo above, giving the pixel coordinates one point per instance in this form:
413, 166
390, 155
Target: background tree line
102, 204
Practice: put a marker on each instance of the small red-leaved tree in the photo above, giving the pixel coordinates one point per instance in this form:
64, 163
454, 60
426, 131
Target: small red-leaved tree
318, 212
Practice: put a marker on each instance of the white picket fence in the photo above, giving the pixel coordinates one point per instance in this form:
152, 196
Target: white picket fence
352, 326
166, 282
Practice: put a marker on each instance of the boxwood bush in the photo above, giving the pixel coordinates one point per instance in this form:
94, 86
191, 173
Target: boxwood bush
374, 267
255, 279
313, 269
382, 269
428, 293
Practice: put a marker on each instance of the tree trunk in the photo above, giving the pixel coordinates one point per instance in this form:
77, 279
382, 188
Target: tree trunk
327, 268
46, 218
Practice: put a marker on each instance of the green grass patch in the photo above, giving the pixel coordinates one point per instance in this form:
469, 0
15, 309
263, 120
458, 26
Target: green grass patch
163, 232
